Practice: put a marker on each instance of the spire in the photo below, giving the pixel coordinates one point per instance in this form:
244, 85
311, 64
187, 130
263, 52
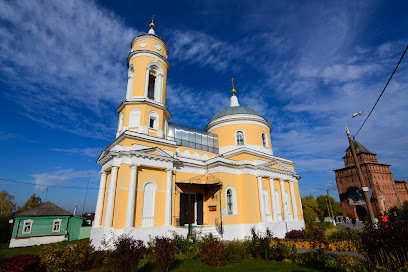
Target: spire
234, 99
152, 25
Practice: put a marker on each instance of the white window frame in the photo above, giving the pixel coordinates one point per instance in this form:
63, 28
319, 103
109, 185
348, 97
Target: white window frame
264, 144
53, 225
236, 137
234, 201
155, 116
134, 118
29, 222
158, 84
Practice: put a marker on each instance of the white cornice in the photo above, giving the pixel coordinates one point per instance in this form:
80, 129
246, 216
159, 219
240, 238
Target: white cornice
149, 37
245, 150
143, 100
148, 53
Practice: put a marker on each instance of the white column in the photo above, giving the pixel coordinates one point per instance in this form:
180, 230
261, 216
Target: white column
283, 193
130, 208
99, 203
107, 223
169, 183
261, 199
294, 205
274, 210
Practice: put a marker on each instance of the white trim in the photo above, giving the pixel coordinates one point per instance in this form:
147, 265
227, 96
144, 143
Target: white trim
131, 73
148, 205
121, 118
234, 201
236, 138
59, 226
29, 223
279, 216
258, 148
156, 118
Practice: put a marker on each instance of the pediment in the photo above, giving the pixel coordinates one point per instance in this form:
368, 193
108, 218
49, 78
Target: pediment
278, 163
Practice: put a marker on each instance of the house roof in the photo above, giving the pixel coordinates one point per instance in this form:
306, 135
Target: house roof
400, 181
45, 209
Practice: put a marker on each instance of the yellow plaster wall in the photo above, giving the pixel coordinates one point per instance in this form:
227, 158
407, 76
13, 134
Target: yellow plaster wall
129, 142
192, 151
253, 134
144, 115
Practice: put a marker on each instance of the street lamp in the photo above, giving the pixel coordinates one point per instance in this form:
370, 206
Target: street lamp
328, 197
360, 174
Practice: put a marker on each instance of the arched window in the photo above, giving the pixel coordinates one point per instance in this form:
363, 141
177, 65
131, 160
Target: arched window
122, 117
134, 118
154, 82
148, 204
240, 138
278, 205
264, 140
153, 120
231, 201
131, 73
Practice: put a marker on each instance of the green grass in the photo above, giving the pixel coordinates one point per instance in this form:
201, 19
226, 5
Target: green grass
6, 252
246, 265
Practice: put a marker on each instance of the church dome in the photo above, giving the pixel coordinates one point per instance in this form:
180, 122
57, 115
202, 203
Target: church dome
235, 110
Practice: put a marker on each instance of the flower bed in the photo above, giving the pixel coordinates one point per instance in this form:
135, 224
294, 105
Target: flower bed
345, 245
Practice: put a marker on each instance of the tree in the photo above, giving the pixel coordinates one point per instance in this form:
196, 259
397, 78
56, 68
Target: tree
7, 205
310, 208
324, 206
32, 202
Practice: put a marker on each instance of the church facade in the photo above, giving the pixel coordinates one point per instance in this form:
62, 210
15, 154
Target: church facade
159, 176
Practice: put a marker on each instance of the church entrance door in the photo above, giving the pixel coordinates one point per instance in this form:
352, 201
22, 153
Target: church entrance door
191, 209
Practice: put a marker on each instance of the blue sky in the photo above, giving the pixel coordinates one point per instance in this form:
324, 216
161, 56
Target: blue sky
306, 66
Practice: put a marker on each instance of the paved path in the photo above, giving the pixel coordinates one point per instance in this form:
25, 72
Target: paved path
342, 225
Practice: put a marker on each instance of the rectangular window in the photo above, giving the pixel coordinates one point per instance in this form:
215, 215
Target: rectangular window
27, 226
56, 225
151, 122
150, 90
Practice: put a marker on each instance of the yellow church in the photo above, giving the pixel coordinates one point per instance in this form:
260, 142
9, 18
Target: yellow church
159, 177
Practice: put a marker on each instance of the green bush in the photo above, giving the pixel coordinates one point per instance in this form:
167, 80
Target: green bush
190, 247
331, 261
126, 254
56, 259
213, 253
235, 251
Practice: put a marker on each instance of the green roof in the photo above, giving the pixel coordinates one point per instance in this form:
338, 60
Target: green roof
45, 209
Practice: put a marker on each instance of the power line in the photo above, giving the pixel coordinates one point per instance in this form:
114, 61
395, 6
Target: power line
54, 186
382, 91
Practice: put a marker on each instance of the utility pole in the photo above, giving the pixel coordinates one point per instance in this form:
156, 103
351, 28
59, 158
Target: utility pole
360, 174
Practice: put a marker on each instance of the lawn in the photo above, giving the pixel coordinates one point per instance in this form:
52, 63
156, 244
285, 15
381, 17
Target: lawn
6, 252
246, 265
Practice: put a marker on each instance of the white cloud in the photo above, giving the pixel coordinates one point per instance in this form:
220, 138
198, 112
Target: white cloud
59, 178
92, 152
68, 57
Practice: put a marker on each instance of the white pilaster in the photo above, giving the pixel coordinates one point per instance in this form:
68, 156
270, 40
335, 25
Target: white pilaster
283, 193
294, 205
261, 199
99, 203
274, 210
111, 198
130, 208
167, 216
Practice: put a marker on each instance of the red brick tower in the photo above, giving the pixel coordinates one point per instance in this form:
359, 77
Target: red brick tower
377, 177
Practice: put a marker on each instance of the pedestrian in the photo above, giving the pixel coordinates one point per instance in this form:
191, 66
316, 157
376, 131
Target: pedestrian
353, 221
383, 219
394, 217
345, 220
